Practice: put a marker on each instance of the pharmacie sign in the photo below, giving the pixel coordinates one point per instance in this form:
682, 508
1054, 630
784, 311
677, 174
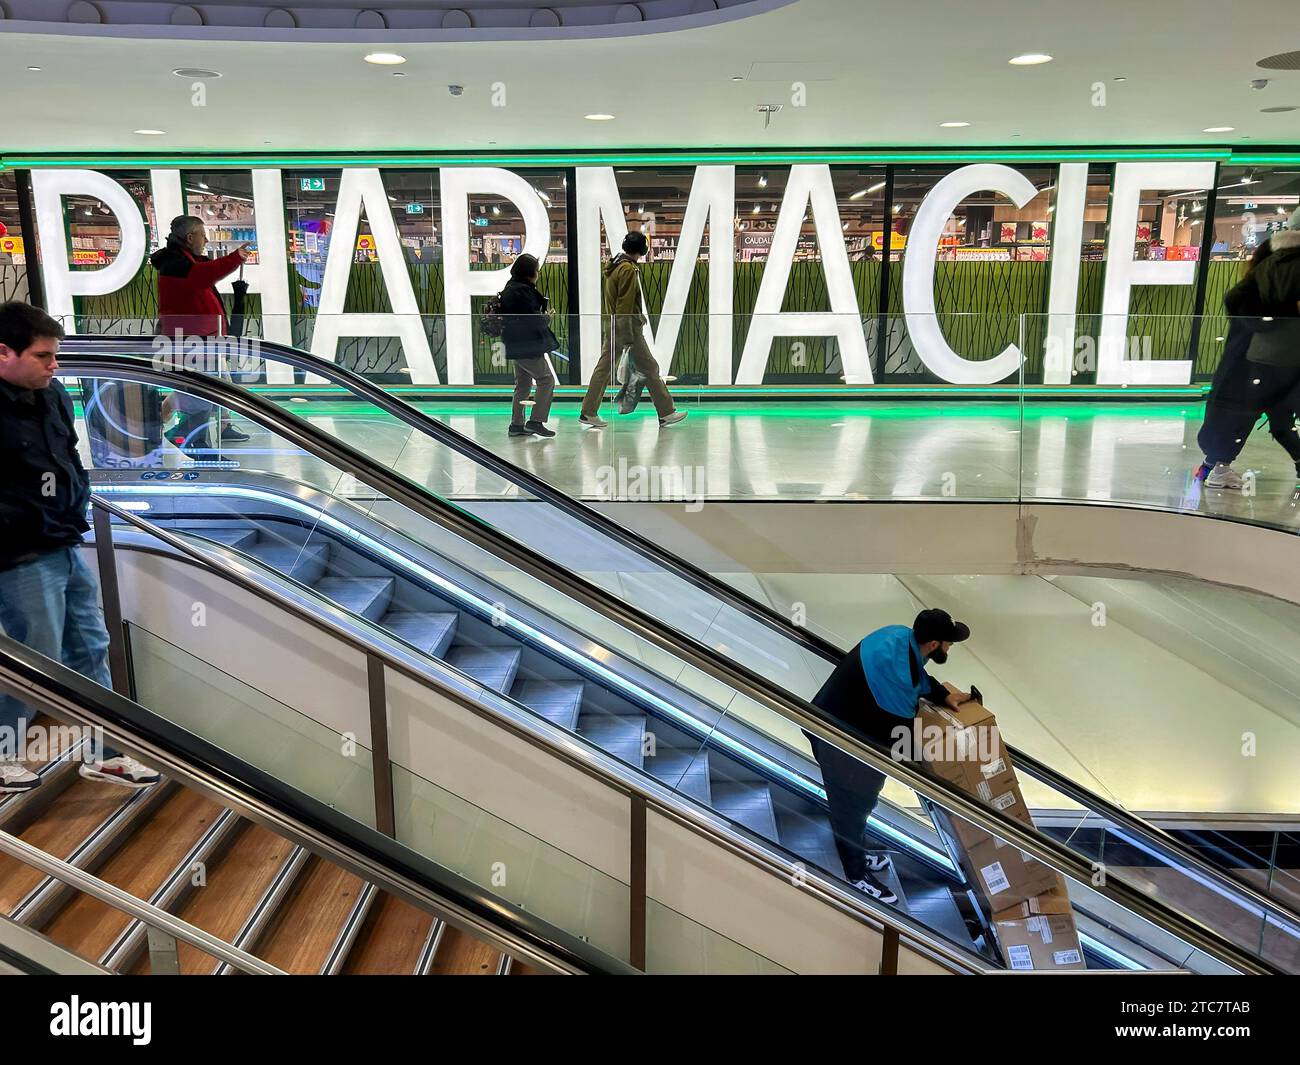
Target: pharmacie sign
601, 226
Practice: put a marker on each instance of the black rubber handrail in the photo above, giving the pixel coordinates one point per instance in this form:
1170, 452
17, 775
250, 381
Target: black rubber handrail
260, 790
1169, 846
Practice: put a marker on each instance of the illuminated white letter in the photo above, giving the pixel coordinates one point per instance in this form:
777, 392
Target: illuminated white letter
61, 284
1063, 288
1123, 272
460, 282
356, 189
807, 183
918, 272
712, 200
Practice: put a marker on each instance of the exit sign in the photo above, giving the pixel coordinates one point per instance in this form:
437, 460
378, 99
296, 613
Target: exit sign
415, 208
481, 221
311, 184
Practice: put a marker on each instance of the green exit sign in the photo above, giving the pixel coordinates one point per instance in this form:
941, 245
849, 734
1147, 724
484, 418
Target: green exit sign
311, 184
415, 208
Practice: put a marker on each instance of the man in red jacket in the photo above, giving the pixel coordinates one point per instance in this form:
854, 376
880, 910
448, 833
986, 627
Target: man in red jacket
188, 304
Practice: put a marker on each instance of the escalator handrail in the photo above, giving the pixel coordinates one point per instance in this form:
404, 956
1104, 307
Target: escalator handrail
64, 693
666, 801
1170, 847
763, 691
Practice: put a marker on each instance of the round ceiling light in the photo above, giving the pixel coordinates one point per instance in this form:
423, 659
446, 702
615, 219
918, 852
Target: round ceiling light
1218, 129
150, 132
385, 59
953, 125
196, 73
599, 117
1029, 59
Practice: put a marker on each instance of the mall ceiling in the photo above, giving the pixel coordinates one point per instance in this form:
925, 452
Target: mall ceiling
672, 73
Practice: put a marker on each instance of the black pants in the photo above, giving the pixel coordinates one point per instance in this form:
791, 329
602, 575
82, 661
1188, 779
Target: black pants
1236, 401
853, 787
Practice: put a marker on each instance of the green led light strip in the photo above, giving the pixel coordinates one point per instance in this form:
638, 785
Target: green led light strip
640, 157
883, 392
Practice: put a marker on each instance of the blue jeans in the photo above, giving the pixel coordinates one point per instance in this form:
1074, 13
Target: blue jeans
52, 605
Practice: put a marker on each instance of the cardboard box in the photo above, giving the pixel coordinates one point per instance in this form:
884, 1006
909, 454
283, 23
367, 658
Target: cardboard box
1005, 875
1055, 901
1042, 943
963, 746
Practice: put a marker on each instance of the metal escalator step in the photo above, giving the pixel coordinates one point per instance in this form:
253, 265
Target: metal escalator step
431, 632
367, 596
493, 666
686, 771
304, 564
749, 802
622, 735
556, 700
239, 539
810, 838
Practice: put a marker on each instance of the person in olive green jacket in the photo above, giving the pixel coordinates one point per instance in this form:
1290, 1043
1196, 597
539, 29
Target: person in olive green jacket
623, 300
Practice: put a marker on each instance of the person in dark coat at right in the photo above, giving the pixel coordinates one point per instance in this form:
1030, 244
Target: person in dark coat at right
529, 342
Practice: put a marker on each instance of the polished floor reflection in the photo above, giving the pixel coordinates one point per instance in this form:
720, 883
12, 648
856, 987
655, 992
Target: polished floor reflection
1135, 453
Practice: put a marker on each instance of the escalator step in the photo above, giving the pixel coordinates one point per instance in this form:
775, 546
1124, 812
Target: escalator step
239, 539
303, 564
493, 666
556, 700
748, 802
686, 771
367, 596
622, 735
431, 632
809, 837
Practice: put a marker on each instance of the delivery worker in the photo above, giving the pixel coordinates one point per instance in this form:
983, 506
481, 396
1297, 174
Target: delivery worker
875, 689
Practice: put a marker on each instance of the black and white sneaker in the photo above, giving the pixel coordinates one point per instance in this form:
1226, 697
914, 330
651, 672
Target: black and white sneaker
16, 777
869, 885
878, 860
537, 429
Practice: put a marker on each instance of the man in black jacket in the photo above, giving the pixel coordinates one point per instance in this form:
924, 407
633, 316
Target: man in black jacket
49, 599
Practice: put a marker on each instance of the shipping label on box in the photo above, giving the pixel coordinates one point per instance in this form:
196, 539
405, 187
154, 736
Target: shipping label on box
1044, 943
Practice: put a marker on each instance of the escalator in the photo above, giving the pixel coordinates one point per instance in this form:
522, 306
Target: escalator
209, 852
709, 704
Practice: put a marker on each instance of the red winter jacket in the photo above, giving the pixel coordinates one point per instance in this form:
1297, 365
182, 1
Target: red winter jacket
187, 296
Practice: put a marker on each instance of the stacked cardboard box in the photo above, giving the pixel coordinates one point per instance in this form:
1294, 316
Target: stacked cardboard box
1027, 900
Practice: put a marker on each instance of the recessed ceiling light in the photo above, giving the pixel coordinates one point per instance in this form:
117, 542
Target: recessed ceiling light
1276, 110
34, 69
1029, 59
385, 59
203, 186
599, 117
399, 73
953, 125
737, 77
1119, 79
150, 132
1218, 129
196, 73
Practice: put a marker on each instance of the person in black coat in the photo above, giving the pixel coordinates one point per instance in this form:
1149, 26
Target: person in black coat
529, 341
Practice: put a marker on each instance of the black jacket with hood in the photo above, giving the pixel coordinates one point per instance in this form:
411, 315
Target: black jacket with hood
527, 330
1277, 282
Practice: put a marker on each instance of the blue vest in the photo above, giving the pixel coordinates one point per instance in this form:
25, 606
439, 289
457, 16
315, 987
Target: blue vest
887, 663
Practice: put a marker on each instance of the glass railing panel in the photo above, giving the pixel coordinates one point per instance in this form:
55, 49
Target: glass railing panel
263, 731
679, 946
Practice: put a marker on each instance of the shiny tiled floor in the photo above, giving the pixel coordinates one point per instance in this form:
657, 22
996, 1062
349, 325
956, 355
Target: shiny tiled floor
1138, 453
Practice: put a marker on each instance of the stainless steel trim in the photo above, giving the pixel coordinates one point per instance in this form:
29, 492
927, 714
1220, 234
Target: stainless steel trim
265, 909
119, 899
347, 937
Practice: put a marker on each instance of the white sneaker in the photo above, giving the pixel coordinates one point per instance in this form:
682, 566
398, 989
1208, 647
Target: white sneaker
123, 771
1223, 476
594, 421
16, 777
674, 418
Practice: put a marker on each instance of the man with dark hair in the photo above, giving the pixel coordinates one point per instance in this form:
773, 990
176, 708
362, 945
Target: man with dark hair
623, 302
876, 688
49, 599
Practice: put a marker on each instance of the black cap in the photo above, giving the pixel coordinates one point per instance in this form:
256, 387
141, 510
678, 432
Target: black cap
938, 625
